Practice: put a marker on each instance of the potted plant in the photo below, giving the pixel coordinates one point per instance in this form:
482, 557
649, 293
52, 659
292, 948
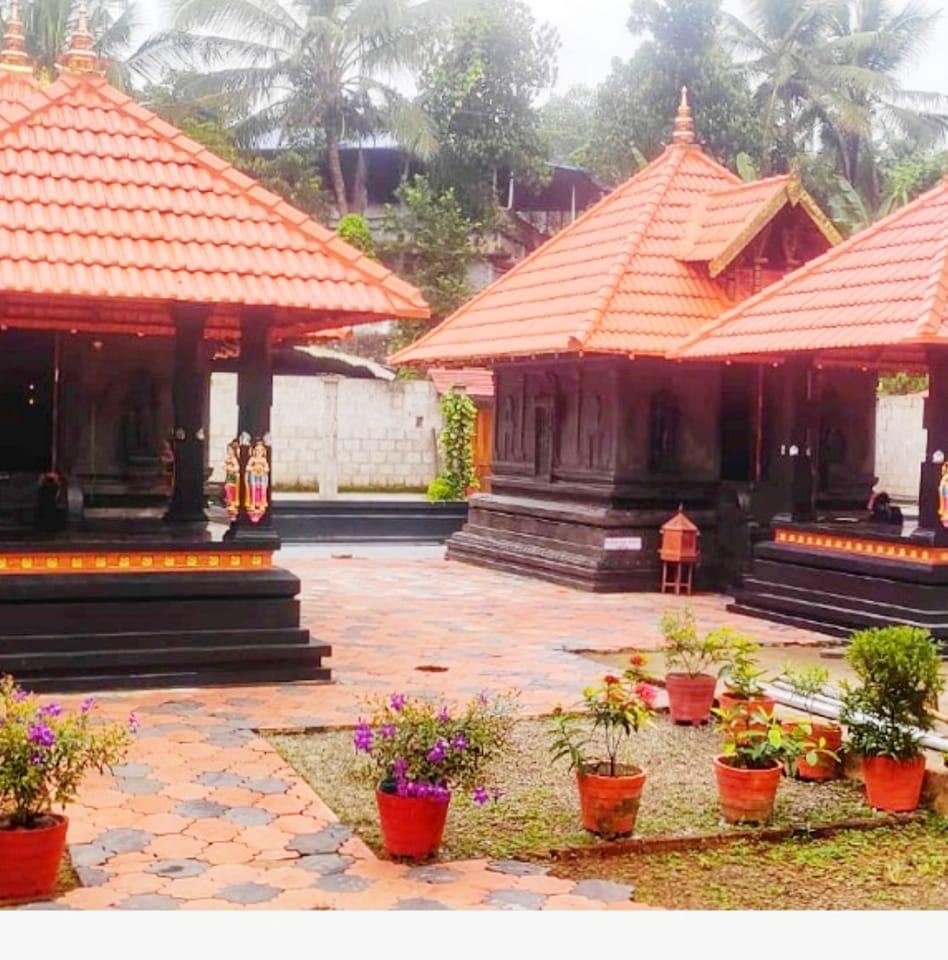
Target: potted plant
748, 771
417, 754
688, 658
610, 787
898, 672
44, 754
742, 679
818, 760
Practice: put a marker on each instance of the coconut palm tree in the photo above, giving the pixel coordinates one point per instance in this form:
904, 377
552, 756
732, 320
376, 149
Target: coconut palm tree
322, 66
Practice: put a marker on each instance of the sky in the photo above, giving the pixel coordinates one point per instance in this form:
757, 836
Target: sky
592, 32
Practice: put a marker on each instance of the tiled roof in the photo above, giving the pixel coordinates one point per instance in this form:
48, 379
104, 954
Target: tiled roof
100, 198
477, 381
885, 286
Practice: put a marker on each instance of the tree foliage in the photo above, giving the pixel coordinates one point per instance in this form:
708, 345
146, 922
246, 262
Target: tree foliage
354, 229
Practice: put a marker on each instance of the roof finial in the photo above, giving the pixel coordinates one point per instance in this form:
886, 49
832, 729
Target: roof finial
80, 55
684, 123
13, 56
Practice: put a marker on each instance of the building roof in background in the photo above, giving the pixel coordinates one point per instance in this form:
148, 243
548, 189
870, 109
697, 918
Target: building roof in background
886, 286
477, 382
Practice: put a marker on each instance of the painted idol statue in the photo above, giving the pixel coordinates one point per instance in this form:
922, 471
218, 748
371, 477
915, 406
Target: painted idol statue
257, 477
232, 479
943, 496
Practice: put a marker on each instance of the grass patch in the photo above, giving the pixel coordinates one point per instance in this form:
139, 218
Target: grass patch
540, 808
887, 868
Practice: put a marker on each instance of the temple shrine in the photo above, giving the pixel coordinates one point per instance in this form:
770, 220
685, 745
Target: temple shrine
130, 256
599, 431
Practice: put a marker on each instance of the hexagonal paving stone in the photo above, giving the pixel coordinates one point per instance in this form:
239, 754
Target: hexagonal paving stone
149, 901
342, 883
45, 905
125, 840
266, 785
515, 900
419, 903
139, 786
246, 893
249, 816
604, 890
131, 770
88, 854
517, 868
327, 840
199, 809
219, 778
92, 876
324, 863
177, 869
229, 738
176, 706
432, 874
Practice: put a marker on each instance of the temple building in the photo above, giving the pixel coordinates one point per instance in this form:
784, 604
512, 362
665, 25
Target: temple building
877, 302
598, 435
130, 257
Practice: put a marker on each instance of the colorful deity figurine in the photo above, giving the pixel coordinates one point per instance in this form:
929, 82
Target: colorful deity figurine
232, 479
943, 496
257, 477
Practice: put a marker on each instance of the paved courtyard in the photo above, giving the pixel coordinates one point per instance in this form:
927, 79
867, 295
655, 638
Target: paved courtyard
206, 815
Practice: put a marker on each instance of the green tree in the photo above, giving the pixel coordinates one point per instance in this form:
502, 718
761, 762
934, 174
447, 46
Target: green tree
567, 125
479, 85
354, 229
317, 66
636, 103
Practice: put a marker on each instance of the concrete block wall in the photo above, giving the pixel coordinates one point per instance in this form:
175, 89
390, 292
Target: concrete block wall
386, 431
900, 444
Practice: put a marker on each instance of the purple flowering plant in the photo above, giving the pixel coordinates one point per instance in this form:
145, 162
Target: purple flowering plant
415, 748
45, 751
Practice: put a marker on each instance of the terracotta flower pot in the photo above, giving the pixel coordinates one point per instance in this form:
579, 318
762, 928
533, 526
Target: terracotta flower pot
411, 826
894, 785
30, 858
690, 698
610, 805
749, 707
747, 796
826, 768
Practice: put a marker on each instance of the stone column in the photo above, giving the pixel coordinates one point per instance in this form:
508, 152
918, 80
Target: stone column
932, 528
188, 393
329, 449
795, 452
254, 400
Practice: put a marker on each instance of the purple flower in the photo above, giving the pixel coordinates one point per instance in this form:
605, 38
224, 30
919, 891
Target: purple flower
443, 715
460, 742
440, 793
398, 702
37, 760
133, 723
482, 699
496, 794
50, 710
19, 695
362, 738
87, 704
399, 768
41, 735
480, 796
437, 753
387, 731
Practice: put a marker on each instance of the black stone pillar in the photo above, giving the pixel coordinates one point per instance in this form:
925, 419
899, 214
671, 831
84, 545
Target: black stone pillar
932, 528
253, 522
795, 450
188, 439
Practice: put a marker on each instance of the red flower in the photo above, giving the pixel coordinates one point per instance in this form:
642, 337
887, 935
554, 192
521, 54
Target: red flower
637, 660
646, 693
610, 680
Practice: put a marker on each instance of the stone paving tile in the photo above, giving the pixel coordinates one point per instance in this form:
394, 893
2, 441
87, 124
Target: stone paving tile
206, 813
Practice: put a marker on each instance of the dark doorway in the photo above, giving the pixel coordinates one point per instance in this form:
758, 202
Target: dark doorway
738, 390
26, 401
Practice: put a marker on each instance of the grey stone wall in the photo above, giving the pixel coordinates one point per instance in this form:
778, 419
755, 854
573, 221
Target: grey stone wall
386, 431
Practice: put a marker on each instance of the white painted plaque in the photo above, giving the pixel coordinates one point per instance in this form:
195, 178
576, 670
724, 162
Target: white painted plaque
623, 543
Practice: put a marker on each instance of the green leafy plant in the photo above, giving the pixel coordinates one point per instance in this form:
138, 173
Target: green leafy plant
45, 752
354, 229
615, 709
741, 674
898, 669
761, 744
415, 749
456, 443
684, 650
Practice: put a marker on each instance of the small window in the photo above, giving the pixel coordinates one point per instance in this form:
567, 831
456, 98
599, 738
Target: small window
664, 422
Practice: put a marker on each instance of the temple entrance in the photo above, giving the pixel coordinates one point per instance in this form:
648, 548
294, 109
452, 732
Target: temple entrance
738, 394
26, 401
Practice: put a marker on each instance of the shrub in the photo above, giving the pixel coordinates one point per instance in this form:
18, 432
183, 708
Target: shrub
899, 676
456, 443
354, 229
684, 650
763, 743
740, 671
440, 489
45, 752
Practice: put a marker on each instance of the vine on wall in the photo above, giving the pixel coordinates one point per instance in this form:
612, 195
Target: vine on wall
459, 416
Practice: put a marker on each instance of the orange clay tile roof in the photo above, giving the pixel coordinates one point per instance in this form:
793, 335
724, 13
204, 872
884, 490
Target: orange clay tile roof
101, 199
614, 281
885, 286
478, 382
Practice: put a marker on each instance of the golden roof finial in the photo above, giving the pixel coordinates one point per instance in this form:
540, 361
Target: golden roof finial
13, 56
684, 131
80, 55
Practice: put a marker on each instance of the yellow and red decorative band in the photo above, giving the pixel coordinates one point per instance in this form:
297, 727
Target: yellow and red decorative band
863, 547
163, 561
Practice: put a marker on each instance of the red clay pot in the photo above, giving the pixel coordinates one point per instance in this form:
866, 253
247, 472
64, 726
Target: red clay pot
690, 698
30, 858
610, 805
826, 768
411, 826
747, 796
893, 785
750, 707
